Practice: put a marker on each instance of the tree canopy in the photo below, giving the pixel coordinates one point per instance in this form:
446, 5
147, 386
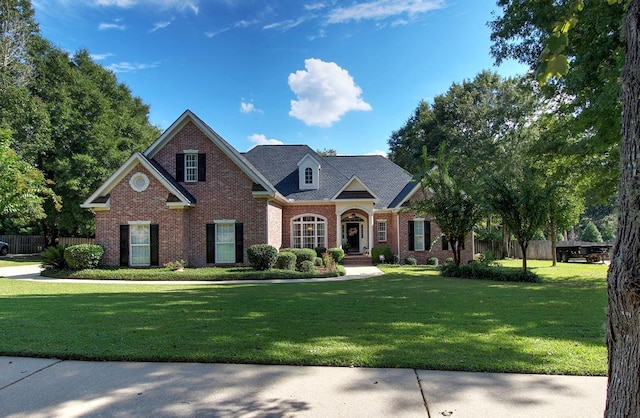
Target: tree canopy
69, 117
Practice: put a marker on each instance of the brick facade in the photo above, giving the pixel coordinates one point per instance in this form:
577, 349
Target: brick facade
228, 194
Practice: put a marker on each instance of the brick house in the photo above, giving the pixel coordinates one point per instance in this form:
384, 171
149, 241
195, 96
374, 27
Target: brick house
192, 196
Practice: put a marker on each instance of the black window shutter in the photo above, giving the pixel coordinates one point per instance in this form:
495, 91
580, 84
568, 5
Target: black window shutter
427, 235
155, 245
211, 243
124, 245
179, 167
412, 245
202, 167
461, 245
445, 243
239, 243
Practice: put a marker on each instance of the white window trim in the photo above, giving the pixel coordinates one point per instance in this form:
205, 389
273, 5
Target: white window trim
233, 244
132, 245
386, 236
298, 219
415, 242
133, 182
191, 172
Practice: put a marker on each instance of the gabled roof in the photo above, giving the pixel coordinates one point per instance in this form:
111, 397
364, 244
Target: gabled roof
231, 152
355, 189
178, 196
383, 180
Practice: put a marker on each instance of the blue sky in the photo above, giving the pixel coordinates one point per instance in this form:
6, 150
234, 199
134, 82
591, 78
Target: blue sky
329, 74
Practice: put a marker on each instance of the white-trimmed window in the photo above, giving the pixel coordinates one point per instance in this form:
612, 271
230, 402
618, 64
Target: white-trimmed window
191, 167
308, 175
140, 244
309, 231
382, 231
225, 242
418, 235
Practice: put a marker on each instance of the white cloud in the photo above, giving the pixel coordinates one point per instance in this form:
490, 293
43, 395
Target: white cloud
180, 5
100, 57
108, 26
382, 9
377, 152
261, 139
248, 107
285, 25
128, 67
160, 25
315, 6
216, 33
325, 93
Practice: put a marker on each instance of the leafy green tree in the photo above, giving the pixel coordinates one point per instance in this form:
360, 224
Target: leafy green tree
591, 233
589, 39
23, 188
521, 198
17, 28
450, 206
623, 284
478, 119
95, 126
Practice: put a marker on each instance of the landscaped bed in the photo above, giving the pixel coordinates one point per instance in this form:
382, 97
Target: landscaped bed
189, 274
411, 317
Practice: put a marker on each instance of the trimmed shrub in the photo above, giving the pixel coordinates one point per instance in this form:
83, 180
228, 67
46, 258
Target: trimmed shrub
320, 250
262, 256
481, 271
286, 260
337, 254
53, 257
303, 254
306, 266
83, 256
432, 261
411, 261
318, 262
377, 251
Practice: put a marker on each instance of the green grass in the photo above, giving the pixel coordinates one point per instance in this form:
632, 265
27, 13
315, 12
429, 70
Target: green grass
19, 261
411, 317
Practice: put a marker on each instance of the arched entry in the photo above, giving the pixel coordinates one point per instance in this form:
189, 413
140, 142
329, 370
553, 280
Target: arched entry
355, 231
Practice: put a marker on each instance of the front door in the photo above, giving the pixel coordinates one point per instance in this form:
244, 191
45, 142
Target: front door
353, 237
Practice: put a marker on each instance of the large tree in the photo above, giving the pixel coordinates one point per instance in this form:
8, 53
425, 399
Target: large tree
590, 93
454, 210
17, 28
623, 280
96, 125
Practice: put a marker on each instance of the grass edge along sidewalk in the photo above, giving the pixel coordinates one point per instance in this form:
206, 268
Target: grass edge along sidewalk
411, 317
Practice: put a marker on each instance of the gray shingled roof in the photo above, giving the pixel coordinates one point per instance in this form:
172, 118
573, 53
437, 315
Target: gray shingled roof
278, 163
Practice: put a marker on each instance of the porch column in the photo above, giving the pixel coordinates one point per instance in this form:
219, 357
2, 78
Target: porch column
338, 230
370, 232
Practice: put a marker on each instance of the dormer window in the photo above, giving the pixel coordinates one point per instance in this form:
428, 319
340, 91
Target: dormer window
308, 175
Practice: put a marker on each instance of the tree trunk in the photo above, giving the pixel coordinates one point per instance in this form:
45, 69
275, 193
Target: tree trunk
523, 246
623, 282
554, 243
505, 241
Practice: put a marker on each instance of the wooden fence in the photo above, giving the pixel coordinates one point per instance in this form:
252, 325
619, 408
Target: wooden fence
538, 250
34, 244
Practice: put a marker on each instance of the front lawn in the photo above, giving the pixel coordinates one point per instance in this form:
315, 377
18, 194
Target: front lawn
13, 261
411, 317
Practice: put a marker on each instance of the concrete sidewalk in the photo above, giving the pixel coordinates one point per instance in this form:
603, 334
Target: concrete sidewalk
52, 388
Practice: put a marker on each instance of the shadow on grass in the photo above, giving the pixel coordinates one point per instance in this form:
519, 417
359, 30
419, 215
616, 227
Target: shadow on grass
393, 321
